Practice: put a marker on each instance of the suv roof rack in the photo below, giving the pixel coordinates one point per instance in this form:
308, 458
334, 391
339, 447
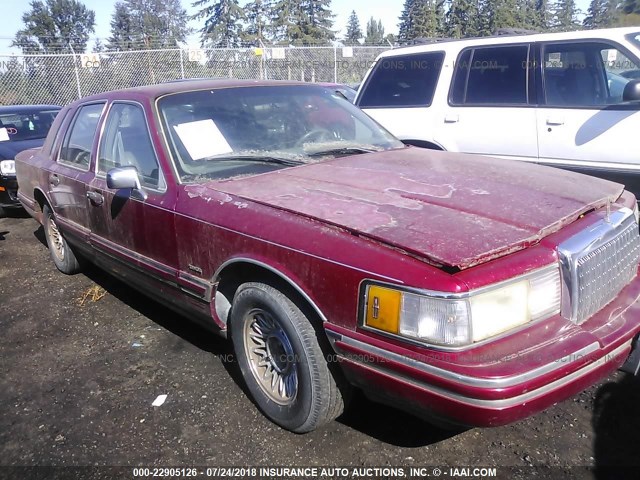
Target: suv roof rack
500, 32
513, 31
426, 40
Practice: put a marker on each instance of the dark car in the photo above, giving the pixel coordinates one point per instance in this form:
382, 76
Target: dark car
22, 127
469, 290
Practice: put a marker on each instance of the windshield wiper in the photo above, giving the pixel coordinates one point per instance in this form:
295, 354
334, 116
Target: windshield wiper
342, 151
254, 158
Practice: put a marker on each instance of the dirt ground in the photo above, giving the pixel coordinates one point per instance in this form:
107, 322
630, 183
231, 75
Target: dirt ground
78, 379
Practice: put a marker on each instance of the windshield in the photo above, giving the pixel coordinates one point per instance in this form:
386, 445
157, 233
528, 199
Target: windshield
225, 132
17, 125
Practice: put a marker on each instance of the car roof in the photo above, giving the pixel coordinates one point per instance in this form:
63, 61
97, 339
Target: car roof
185, 85
27, 108
459, 44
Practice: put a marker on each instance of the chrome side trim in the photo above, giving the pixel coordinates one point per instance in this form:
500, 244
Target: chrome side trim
272, 270
506, 402
503, 382
76, 227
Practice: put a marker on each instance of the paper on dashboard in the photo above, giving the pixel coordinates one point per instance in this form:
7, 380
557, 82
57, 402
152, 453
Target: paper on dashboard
202, 139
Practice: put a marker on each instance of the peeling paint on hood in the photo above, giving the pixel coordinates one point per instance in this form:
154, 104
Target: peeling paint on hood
454, 209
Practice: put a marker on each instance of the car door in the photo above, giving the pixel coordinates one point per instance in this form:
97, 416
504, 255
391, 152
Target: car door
583, 124
133, 230
69, 175
489, 110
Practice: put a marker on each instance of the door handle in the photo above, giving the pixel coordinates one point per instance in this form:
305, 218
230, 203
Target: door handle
95, 198
555, 121
451, 118
54, 180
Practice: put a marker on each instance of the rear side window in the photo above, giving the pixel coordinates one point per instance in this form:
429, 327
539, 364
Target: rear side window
403, 81
491, 76
76, 149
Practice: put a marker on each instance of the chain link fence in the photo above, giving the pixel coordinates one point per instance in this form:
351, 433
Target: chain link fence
60, 79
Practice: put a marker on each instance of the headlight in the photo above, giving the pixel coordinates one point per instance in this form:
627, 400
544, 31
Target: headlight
8, 167
636, 213
461, 320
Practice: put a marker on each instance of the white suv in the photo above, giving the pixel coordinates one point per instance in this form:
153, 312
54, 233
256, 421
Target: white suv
564, 99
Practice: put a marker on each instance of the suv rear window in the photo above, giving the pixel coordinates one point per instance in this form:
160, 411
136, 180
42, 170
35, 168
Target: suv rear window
403, 81
491, 76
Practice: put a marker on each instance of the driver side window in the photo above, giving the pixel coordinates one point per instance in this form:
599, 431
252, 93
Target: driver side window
126, 142
585, 74
76, 149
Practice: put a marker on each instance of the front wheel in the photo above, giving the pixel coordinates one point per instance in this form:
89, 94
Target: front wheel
59, 249
281, 360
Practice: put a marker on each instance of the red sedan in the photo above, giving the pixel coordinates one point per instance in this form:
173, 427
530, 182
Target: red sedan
468, 289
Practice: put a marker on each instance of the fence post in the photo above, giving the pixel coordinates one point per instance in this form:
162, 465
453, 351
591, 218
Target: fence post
335, 64
181, 62
75, 68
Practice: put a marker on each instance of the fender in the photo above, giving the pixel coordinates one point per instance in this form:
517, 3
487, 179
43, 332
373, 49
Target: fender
279, 271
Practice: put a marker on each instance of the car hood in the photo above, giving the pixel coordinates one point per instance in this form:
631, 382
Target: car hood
451, 209
9, 150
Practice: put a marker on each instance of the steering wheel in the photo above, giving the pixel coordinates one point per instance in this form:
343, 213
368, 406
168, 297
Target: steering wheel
82, 157
315, 135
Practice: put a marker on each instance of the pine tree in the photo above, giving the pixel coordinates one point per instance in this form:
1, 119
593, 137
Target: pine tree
257, 28
319, 21
222, 22
405, 27
421, 19
543, 16
462, 19
303, 22
440, 11
287, 20
601, 14
526, 14
122, 34
375, 33
98, 46
354, 32
565, 15
137, 24
55, 26
631, 6
500, 14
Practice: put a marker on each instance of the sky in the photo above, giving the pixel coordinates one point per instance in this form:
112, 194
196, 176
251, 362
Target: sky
386, 10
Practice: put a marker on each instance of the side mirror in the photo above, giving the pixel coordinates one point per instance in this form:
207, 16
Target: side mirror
631, 91
125, 178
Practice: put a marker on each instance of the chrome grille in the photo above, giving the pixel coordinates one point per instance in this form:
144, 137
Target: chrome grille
597, 264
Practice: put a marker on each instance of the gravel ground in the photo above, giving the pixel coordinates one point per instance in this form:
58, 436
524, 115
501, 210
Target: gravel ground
79, 377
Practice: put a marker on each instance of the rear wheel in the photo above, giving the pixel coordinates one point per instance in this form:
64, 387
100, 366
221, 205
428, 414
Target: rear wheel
59, 249
2, 212
281, 360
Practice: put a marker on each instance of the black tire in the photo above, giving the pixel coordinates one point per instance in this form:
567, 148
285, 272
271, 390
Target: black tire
60, 251
260, 313
2, 212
